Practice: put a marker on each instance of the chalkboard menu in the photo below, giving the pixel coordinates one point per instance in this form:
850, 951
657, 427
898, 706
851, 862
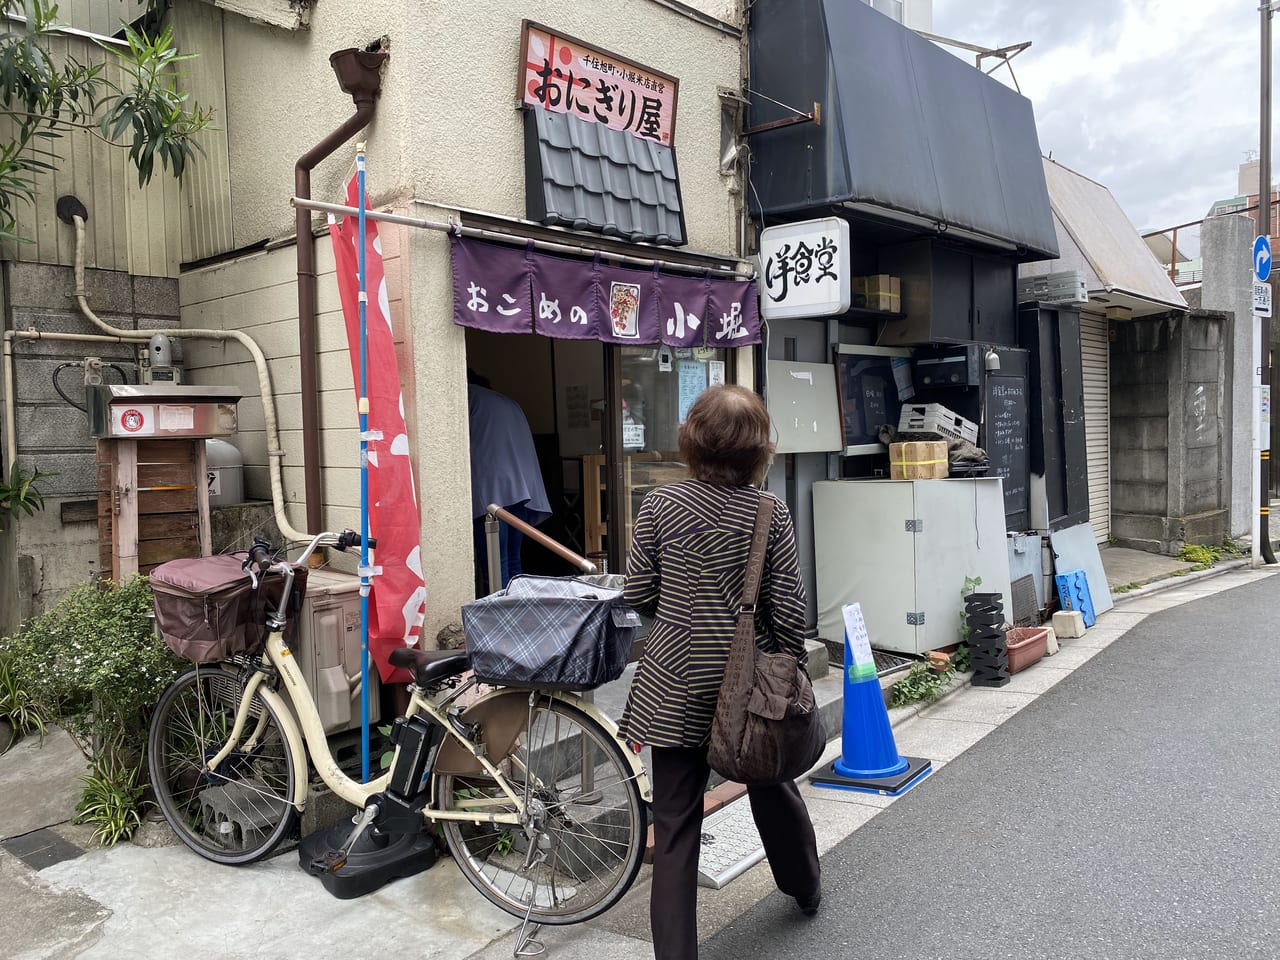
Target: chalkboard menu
1007, 422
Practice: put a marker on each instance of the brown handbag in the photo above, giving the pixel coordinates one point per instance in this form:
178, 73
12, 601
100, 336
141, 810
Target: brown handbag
767, 728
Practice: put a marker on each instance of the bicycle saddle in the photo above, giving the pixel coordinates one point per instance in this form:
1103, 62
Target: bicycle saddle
430, 666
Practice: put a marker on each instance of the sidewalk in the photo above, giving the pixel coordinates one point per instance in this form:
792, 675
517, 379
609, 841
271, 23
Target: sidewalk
164, 902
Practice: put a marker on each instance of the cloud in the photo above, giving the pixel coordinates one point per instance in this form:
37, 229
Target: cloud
1155, 99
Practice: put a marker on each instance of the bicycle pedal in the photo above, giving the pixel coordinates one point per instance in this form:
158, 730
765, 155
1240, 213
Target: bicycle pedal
334, 864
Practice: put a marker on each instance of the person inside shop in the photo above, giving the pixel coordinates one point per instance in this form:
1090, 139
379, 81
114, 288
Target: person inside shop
504, 470
686, 569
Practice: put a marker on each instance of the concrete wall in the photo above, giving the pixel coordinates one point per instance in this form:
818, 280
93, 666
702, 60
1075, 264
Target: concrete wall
1226, 245
1168, 420
50, 556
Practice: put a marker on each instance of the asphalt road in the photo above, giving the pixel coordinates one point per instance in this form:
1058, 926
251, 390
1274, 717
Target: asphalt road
1132, 811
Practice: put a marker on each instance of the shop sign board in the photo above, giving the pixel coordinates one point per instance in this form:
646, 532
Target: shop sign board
566, 75
506, 289
804, 269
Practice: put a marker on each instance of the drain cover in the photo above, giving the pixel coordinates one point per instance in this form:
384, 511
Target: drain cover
730, 845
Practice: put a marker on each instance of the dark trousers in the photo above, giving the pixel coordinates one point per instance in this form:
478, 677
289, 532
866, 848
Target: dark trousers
510, 540
679, 782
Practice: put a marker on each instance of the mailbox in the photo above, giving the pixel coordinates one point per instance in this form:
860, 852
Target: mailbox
160, 411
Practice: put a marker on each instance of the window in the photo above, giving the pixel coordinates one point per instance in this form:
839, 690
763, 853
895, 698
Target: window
890, 8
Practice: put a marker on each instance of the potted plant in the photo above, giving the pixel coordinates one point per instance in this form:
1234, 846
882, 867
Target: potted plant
1027, 645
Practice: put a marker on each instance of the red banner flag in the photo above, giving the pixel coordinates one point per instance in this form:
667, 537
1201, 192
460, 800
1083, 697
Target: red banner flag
398, 598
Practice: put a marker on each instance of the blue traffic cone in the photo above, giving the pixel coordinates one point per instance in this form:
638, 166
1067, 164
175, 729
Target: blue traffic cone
869, 759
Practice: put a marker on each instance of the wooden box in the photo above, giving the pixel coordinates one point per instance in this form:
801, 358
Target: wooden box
918, 460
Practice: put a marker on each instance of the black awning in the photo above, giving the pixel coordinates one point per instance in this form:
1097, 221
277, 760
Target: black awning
909, 132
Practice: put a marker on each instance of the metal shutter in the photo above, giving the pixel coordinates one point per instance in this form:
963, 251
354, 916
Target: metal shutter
1095, 363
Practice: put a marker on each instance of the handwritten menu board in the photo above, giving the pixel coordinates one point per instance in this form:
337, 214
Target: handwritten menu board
1006, 440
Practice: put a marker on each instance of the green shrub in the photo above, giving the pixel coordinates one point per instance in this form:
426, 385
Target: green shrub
922, 684
94, 666
19, 494
16, 702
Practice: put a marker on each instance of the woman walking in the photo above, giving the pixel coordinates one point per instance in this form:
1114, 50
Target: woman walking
686, 569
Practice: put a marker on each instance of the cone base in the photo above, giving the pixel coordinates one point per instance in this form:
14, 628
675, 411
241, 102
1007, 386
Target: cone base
917, 770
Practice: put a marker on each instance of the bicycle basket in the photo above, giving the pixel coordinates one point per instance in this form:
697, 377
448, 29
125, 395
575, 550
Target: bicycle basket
207, 609
550, 633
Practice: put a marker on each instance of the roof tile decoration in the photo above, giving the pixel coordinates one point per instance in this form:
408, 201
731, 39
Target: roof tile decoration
590, 177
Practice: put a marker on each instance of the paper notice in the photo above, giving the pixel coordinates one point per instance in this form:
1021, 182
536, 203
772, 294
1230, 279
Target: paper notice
858, 659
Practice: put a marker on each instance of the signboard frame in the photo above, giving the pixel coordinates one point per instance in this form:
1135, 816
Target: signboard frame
617, 68
806, 267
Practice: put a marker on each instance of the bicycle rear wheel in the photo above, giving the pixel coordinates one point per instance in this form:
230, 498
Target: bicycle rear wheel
239, 812
586, 820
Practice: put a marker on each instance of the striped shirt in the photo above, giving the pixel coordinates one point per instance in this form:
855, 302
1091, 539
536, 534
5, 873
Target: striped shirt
686, 569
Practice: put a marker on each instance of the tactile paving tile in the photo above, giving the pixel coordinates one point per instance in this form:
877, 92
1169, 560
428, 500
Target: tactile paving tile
730, 845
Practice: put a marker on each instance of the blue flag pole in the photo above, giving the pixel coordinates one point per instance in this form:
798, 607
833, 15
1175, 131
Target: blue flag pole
363, 406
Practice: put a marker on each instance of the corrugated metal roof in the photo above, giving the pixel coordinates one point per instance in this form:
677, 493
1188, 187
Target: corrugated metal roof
1107, 239
587, 176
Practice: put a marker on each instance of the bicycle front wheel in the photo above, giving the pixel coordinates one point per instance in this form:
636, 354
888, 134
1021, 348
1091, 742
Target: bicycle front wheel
238, 812
583, 839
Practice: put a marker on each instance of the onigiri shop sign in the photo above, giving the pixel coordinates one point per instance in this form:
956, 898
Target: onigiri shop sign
565, 75
505, 289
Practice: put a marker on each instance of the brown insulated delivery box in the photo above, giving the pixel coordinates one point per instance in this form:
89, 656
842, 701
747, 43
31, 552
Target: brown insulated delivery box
918, 460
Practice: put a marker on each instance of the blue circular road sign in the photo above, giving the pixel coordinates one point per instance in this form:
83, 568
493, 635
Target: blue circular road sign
1262, 259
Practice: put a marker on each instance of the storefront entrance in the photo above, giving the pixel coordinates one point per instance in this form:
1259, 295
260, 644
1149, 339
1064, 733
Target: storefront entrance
596, 465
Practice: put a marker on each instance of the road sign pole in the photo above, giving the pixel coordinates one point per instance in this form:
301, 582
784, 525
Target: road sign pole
1262, 545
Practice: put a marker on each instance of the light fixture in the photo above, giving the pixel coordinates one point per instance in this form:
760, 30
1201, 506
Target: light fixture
992, 360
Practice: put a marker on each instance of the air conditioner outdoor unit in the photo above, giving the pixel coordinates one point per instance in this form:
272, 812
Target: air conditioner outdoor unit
1067, 286
327, 648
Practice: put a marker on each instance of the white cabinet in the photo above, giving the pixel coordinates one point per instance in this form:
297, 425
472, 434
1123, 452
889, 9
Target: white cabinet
902, 549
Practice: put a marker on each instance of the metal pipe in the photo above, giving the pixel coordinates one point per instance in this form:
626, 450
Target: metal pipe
538, 537
274, 452
1264, 229
498, 236
358, 74
10, 416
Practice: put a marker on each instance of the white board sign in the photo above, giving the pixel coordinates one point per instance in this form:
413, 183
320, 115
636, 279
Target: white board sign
1261, 299
804, 269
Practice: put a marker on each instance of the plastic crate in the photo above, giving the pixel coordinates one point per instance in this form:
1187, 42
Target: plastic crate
935, 418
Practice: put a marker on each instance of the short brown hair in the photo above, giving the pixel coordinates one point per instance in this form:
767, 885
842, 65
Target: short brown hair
725, 438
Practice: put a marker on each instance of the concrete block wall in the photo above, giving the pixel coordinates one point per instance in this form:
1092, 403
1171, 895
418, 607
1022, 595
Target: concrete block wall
50, 555
1170, 421
1226, 249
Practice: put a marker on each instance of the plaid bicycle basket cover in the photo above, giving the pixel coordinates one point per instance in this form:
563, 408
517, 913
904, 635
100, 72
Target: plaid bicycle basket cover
207, 610
552, 633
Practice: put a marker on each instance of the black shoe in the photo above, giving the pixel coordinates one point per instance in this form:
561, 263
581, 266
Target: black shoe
809, 905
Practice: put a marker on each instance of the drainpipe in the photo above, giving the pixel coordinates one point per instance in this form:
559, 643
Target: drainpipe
359, 74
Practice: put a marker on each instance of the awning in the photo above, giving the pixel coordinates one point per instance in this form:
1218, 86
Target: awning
909, 133
505, 289
1099, 241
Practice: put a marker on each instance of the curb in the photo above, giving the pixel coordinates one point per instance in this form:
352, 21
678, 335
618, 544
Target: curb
1168, 583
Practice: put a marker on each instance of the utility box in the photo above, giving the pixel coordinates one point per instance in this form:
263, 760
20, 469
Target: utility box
327, 648
127, 411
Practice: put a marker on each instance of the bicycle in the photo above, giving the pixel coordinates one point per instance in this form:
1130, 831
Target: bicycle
541, 803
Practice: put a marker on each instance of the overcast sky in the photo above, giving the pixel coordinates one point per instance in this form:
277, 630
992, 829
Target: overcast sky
1155, 99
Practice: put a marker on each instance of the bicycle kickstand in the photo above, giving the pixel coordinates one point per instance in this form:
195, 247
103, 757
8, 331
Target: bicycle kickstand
527, 944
